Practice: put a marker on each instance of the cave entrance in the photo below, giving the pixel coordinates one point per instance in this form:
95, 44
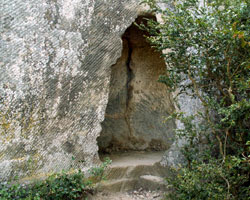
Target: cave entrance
137, 102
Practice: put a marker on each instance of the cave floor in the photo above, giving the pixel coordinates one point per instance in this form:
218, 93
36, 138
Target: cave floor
133, 158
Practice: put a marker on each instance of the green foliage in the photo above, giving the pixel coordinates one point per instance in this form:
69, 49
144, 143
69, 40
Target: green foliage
210, 180
98, 172
207, 51
58, 186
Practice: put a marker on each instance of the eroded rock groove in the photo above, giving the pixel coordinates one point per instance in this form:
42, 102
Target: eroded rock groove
129, 87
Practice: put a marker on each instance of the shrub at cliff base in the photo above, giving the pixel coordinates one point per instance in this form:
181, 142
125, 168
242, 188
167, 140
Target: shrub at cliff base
206, 46
58, 186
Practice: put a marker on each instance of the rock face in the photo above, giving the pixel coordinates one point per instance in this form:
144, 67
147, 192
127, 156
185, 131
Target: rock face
137, 102
55, 69
55, 59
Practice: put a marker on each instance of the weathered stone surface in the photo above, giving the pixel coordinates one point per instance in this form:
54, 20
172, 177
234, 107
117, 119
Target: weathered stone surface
137, 102
55, 59
189, 106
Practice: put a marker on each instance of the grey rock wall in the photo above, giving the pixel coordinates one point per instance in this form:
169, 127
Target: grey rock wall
55, 58
55, 68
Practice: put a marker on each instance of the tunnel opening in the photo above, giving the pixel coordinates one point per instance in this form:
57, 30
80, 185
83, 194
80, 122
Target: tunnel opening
137, 102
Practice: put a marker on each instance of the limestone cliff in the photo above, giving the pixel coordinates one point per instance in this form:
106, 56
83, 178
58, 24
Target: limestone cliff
58, 65
55, 59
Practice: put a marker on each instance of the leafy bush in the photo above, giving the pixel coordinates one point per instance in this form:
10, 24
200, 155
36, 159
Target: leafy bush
57, 186
207, 51
66, 186
98, 172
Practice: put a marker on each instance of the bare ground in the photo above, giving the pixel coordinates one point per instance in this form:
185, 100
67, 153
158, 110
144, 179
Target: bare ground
132, 165
131, 195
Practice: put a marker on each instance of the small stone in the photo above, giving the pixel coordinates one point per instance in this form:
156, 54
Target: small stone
156, 195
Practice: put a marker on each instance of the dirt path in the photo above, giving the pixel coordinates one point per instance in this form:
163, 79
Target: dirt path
133, 176
132, 195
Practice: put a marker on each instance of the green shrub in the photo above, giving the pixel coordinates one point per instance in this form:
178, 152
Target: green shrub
66, 186
98, 172
57, 186
208, 58
210, 180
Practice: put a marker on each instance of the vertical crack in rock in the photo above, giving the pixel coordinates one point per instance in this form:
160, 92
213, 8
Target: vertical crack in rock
129, 86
